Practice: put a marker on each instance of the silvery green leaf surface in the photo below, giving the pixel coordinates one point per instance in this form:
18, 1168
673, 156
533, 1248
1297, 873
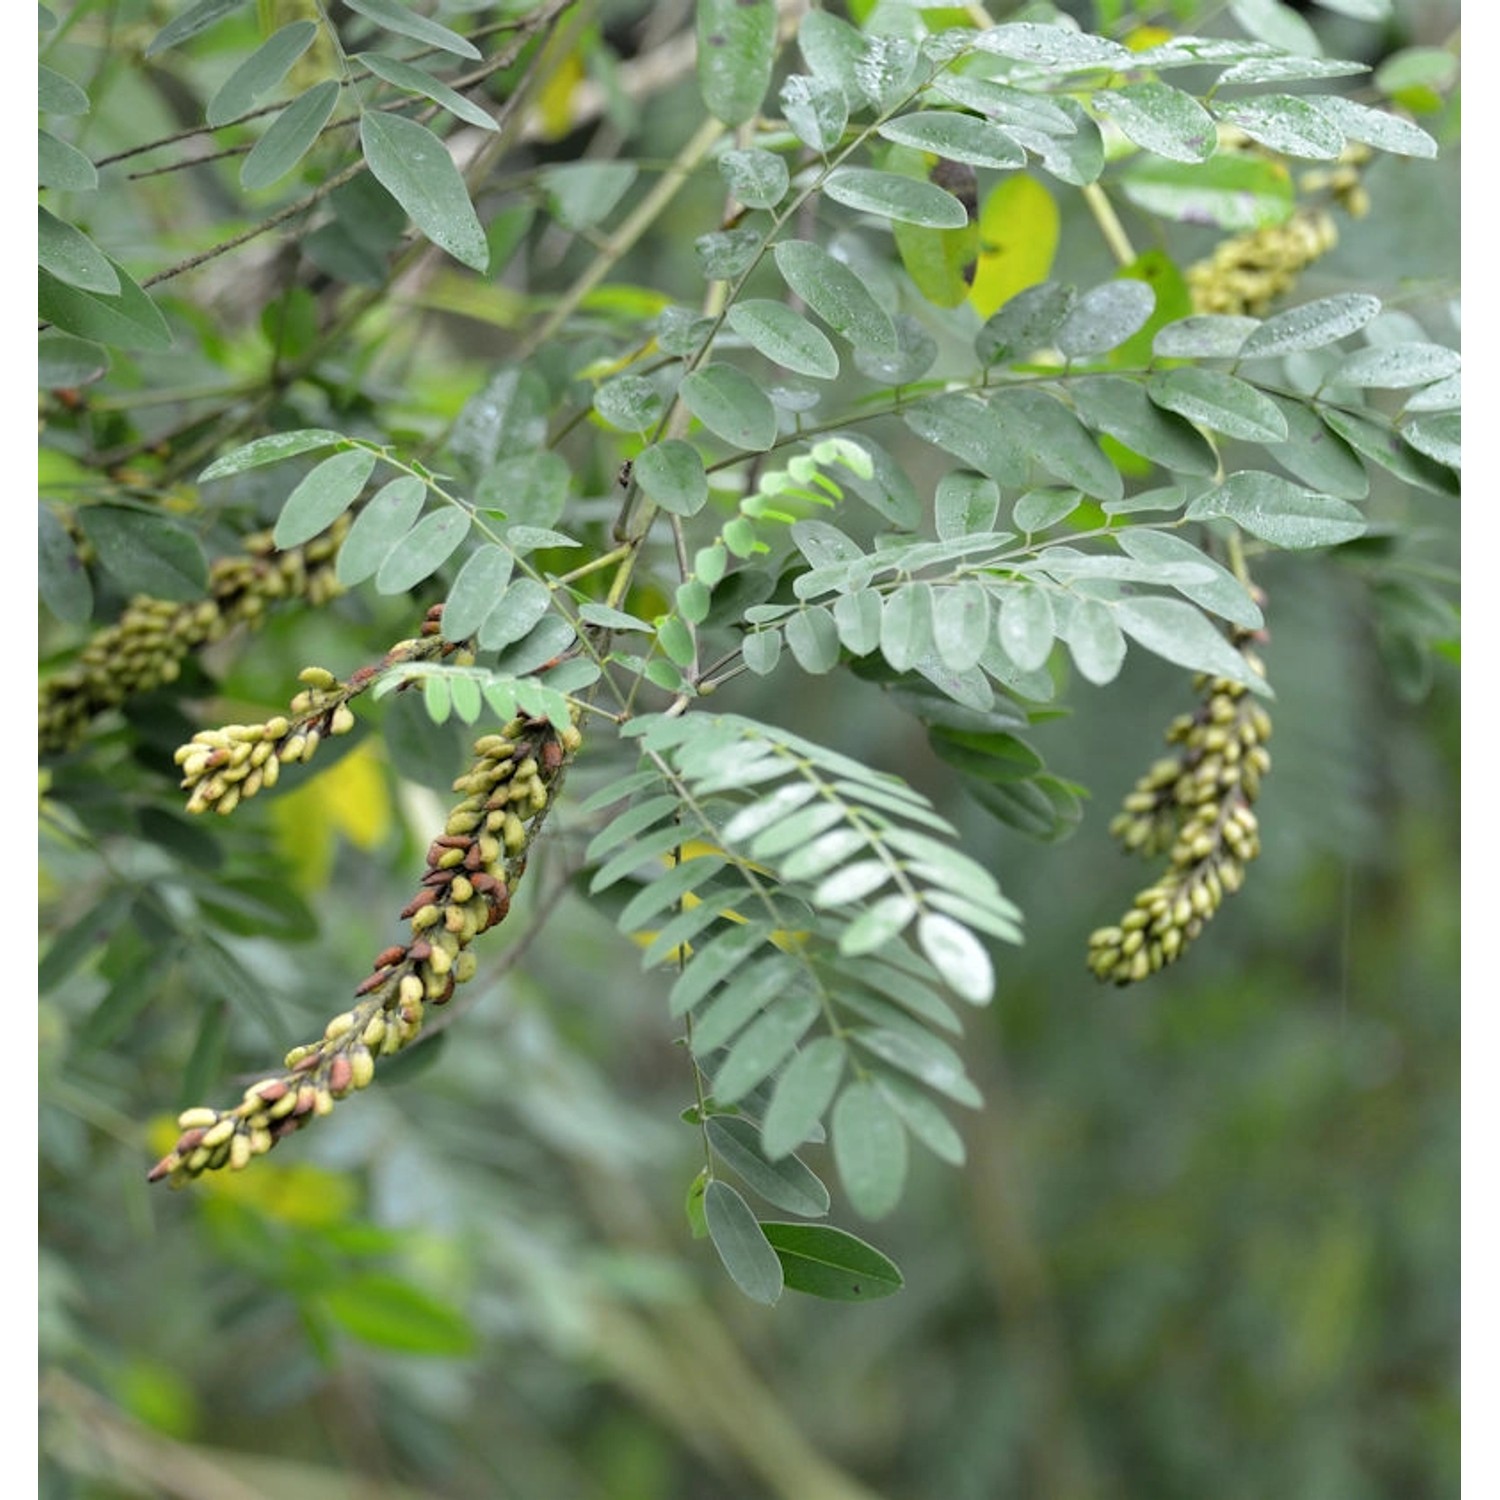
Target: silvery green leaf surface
736, 45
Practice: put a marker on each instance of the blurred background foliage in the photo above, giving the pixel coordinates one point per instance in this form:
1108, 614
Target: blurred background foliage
1206, 1240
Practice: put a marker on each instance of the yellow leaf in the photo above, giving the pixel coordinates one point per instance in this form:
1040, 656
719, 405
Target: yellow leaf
1144, 38
696, 849
299, 1193
349, 798
1018, 230
554, 105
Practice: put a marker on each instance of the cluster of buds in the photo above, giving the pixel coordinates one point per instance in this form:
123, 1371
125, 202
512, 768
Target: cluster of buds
1248, 272
472, 869
223, 767
1197, 805
146, 647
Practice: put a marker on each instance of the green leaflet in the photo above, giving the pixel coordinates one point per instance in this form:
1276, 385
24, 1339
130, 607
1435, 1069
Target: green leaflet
741, 1245
835, 294
379, 527
323, 496
128, 319
1162, 119
145, 552
414, 166
869, 1146
731, 405
414, 80
260, 72
429, 544
894, 196
736, 44
393, 16
822, 1261
290, 136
